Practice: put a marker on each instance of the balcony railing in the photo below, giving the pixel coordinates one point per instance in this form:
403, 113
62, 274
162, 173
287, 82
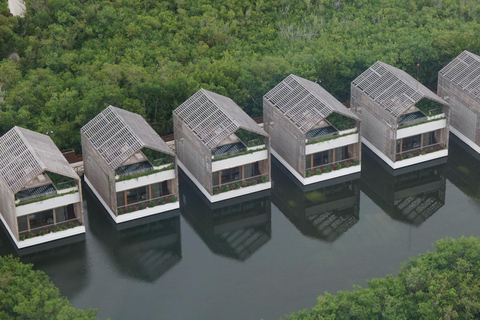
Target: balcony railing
37, 196
420, 151
332, 166
150, 203
241, 183
60, 226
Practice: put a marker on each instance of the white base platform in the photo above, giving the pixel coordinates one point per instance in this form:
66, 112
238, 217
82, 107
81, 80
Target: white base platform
52, 236
317, 178
225, 195
136, 214
406, 162
467, 141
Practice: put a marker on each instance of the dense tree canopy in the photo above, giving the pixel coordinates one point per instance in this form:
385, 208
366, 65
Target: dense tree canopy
78, 56
29, 294
440, 285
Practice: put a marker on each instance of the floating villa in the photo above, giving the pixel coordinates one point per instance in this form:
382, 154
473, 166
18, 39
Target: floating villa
312, 134
403, 122
40, 193
220, 148
128, 166
459, 84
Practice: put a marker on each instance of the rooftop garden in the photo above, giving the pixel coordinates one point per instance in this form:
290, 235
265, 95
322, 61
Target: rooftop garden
39, 199
341, 122
143, 174
429, 107
157, 158
250, 139
320, 139
61, 182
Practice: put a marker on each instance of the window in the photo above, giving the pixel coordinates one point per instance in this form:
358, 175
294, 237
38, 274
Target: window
251, 170
137, 195
429, 138
41, 219
411, 143
232, 174
22, 224
321, 158
159, 189
341, 153
120, 199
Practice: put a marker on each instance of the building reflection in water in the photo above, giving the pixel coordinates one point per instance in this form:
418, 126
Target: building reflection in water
463, 168
323, 211
144, 249
411, 194
234, 228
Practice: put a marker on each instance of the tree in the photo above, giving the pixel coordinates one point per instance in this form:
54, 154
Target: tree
438, 285
29, 294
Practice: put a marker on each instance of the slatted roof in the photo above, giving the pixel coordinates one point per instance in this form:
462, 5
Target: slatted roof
304, 102
118, 134
464, 71
213, 117
393, 89
25, 154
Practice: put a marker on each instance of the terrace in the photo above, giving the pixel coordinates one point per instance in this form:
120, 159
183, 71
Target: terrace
334, 126
143, 162
425, 110
46, 185
241, 142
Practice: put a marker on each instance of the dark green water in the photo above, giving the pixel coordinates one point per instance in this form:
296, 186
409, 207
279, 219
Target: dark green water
267, 255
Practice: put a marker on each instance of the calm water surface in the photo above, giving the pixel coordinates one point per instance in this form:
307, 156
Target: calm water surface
267, 255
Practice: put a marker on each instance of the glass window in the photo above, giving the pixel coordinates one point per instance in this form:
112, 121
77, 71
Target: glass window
41, 219
251, 170
232, 174
429, 138
22, 224
120, 199
341, 153
321, 158
61, 214
308, 161
137, 195
411, 143
159, 189
215, 178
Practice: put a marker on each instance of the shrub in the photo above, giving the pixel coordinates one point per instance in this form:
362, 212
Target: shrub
30, 235
254, 182
22, 238
236, 186
120, 211
56, 229
216, 191
142, 206
131, 209
423, 152
318, 171
162, 201
309, 173
41, 233
151, 204
410, 155
244, 184
264, 179
64, 228
173, 198
328, 168
225, 189
347, 164
71, 225
355, 162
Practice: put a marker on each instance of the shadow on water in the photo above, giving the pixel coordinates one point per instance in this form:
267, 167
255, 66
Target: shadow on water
409, 195
235, 228
463, 168
145, 249
323, 211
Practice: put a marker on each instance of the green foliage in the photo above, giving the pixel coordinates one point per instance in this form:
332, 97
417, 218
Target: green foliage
61, 182
45, 198
331, 138
437, 285
138, 175
429, 107
157, 158
250, 139
77, 57
29, 294
341, 122
238, 154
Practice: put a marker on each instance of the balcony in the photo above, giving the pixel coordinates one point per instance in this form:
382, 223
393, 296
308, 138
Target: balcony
419, 117
320, 134
235, 185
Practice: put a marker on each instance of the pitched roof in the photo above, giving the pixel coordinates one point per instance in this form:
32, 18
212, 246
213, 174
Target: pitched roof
464, 71
304, 102
213, 117
393, 89
25, 154
118, 134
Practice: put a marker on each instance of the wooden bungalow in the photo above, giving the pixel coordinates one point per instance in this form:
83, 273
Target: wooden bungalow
40, 193
403, 122
128, 166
